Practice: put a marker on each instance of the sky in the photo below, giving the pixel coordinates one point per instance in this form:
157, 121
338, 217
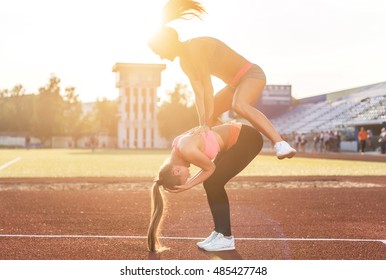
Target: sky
316, 46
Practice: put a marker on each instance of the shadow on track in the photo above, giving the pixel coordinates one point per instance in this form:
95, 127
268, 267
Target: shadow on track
223, 255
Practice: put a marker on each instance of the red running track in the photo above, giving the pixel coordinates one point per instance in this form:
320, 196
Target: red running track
306, 220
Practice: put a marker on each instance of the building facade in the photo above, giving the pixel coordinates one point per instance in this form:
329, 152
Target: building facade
137, 125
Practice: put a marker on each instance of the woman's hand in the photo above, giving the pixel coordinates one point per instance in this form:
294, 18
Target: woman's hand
201, 129
177, 189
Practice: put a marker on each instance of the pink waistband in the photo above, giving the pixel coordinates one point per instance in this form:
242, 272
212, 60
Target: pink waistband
234, 132
240, 74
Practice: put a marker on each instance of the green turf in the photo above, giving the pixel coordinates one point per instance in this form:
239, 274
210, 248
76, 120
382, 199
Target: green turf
137, 163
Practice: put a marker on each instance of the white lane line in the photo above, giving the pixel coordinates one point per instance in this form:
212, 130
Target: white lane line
189, 238
9, 163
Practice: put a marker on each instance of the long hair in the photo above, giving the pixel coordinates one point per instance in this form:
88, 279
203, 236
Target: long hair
174, 9
181, 9
167, 180
157, 210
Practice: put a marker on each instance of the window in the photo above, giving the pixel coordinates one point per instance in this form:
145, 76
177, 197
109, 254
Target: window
135, 95
152, 137
135, 103
135, 137
144, 137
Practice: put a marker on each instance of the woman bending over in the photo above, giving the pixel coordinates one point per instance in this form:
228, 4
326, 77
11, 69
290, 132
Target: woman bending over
220, 153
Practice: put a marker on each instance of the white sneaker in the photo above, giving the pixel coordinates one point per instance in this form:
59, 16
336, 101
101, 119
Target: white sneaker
284, 150
209, 239
220, 243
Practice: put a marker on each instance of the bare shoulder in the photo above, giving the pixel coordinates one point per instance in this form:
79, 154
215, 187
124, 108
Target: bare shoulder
197, 53
190, 152
190, 144
201, 44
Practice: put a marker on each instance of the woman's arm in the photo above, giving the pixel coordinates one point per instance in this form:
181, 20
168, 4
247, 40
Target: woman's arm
199, 101
196, 68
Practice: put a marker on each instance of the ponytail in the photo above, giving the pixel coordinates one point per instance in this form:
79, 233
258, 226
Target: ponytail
157, 205
168, 180
182, 9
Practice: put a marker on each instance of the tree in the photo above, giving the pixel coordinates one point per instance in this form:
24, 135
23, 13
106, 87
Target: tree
177, 113
7, 110
72, 113
25, 112
17, 110
105, 117
50, 105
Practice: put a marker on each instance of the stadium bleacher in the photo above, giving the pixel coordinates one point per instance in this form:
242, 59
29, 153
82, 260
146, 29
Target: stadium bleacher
359, 106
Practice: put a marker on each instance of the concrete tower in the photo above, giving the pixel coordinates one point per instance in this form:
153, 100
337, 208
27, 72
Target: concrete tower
137, 125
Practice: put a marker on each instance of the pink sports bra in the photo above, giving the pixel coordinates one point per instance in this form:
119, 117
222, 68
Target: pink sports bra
212, 147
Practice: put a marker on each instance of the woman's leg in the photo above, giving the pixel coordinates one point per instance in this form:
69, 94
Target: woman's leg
247, 93
228, 165
222, 103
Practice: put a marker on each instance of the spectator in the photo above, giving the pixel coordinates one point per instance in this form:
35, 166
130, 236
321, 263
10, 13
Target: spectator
362, 138
297, 141
338, 140
316, 142
326, 139
382, 140
93, 142
294, 138
332, 141
370, 139
321, 139
303, 142
27, 142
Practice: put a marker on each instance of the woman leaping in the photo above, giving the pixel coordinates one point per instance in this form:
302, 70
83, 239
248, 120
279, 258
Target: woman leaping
205, 56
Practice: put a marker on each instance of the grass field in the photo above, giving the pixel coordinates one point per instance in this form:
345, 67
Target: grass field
116, 163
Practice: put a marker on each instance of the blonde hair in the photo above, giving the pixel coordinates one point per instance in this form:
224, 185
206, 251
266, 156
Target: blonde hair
174, 9
157, 210
168, 181
181, 9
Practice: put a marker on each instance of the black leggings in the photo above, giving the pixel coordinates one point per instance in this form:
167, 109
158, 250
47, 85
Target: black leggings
228, 164
362, 146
